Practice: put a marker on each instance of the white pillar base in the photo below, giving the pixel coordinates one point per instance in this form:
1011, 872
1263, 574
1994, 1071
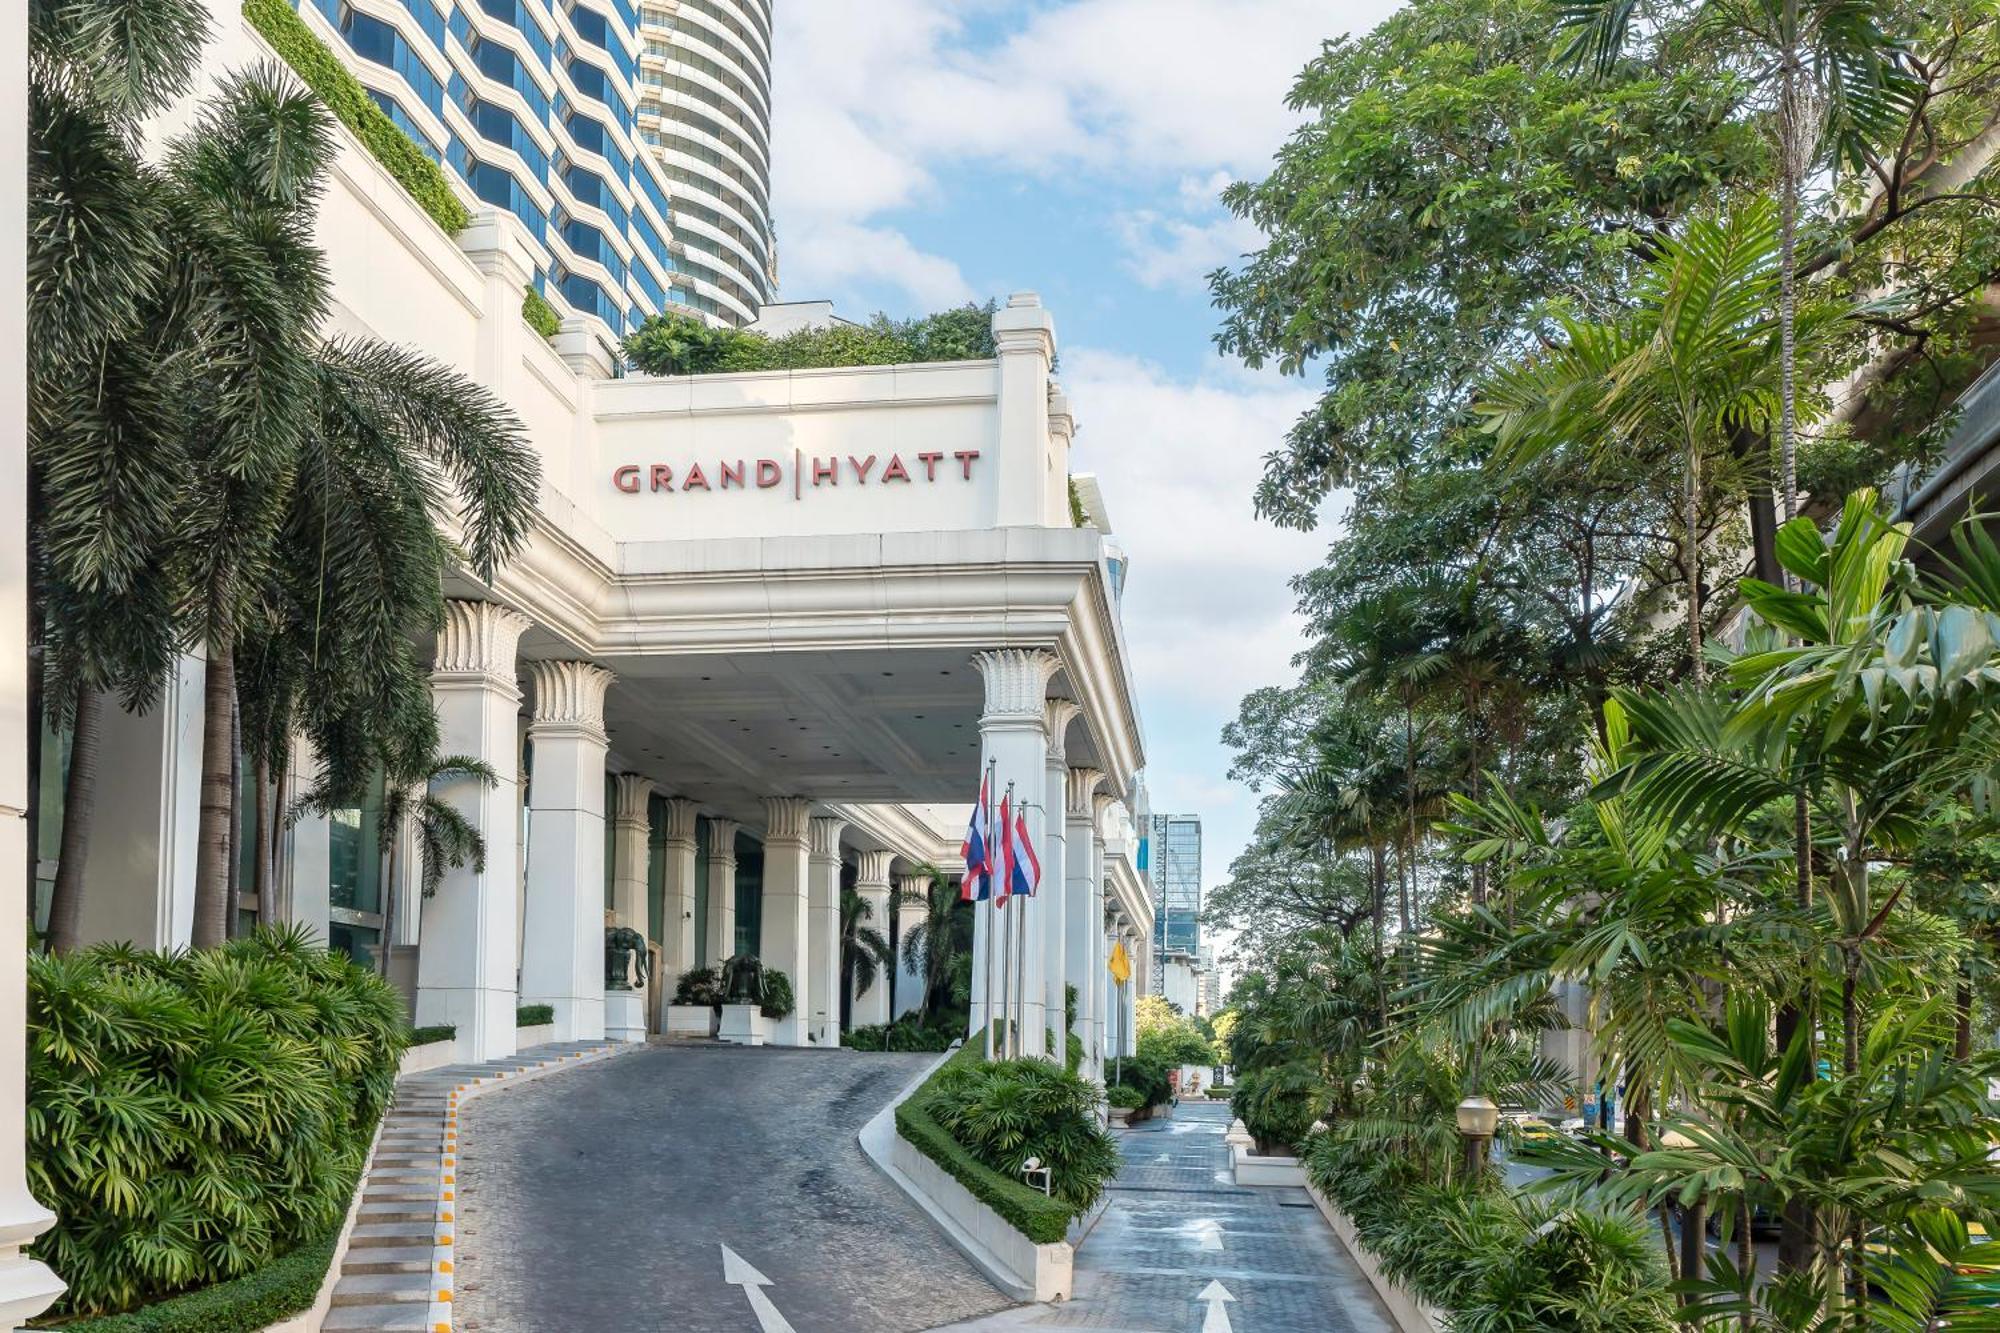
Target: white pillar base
625, 1015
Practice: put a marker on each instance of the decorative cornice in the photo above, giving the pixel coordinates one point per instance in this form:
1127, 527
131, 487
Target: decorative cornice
477, 643
823, 837
1059, 713
1100, 804
1017, 683
1024, 325
570, 694
635, 792
872, 871
721, 840
786, 818
678, 824
1078, 791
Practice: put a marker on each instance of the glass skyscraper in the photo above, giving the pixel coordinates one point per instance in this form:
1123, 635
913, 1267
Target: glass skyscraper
633, 141
1174, 860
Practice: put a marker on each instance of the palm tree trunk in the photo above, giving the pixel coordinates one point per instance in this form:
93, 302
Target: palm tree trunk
1691, 558
79, 807
234, 924
1410, 805
218, 800
1694, 1235
389, 895
1746, 1254
260, 868
1961, 1046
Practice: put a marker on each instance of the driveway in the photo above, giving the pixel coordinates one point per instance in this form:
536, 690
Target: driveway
604, 1199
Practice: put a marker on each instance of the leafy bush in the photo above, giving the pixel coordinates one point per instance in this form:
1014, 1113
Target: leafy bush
247, 1304
1038, 1217
1125, 1097
1073, 1052
1277, 1104
193, 1117
778, 998
678, 343
908, 1033
1146, 1077
1008, 1111
698, 985
541, 316
534, 1015
437, 1032
344, 96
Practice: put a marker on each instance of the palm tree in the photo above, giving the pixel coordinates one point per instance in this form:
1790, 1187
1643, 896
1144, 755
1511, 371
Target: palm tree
865, 953
937, 939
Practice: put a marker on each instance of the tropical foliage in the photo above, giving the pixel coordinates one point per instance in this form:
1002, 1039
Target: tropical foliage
678, 343
192, 1116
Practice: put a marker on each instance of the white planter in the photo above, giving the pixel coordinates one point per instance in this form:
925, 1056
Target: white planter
541, 1034
1278, 1172
692, 1020
1410, 1314
625, 1015
745, 1025
1120, 1116
430, 1055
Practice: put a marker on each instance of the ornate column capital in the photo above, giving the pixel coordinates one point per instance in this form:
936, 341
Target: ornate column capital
823, 837
635, 793
1017, 682
786, 818
909, 884
1101, 804
721, 840
477, 643
872, 871
1057, 715
1079, 791
678, 825
570, 695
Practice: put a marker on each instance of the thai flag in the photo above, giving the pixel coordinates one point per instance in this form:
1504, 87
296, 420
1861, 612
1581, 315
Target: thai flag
1024, 868
977, 886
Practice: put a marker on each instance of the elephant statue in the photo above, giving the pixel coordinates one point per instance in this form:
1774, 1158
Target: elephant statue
624, 959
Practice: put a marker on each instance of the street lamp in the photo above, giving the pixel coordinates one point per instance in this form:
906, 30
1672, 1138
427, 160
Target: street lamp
1478, 1118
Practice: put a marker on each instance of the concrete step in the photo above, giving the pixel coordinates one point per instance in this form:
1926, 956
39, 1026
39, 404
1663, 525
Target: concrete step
387, 1259
397, 1212
378, 1235
397, 1194
383, 1289
404, 1318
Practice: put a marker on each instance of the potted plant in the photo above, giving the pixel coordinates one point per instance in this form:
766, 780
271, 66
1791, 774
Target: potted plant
1123, 1102
696, 1009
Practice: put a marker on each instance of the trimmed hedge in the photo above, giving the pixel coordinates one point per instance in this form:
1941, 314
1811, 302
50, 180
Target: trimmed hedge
347, 99
534, 1015
255, 1301
438, 1032
541, 316
1029, 1211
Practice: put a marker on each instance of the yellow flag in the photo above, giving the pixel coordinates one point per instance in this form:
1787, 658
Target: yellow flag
1120, 965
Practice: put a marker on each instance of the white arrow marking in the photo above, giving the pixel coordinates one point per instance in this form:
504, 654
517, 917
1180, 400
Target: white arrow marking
1207, 1233
1217, 1298
737, 1272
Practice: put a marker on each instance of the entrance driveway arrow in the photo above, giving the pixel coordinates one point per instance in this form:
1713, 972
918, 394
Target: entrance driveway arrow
1206, 1233
1218, 1300
737, 1272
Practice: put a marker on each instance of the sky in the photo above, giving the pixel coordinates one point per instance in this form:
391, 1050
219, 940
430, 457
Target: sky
930, 152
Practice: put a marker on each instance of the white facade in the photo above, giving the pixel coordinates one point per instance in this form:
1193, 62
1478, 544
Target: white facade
769, 628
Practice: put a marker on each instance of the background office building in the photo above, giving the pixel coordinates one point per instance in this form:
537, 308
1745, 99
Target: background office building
632, 143
1174, 863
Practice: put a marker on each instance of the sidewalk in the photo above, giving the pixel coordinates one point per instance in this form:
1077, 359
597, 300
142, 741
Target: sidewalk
1177, 1224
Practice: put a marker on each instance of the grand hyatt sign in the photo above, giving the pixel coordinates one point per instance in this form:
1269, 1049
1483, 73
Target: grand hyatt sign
800, 472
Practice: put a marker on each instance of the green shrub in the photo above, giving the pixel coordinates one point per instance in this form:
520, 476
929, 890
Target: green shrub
534, 1015
344, 96
1147, 1077
279, 1289
911, 1032
1038, 1217
1008, 1111
1073, 1051
1277, 1104
437, 1032
194, 1116
698, 985
679, 343
1124, 1097
778, 998
541, 316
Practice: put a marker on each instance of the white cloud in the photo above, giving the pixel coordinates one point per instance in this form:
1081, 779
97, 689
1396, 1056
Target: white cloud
1163, 251
861, 254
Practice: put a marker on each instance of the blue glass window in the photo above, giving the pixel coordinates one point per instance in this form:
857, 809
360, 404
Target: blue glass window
401, 119
373, 40
589, 188
496, 124
590, 134
496, 62
515, 13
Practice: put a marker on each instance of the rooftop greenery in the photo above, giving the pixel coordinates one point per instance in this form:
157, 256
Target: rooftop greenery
677, 343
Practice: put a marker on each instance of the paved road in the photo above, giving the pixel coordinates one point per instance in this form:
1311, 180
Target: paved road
601, 1199
1176, 1223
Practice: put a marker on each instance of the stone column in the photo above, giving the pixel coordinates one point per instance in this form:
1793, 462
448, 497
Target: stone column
1024, 339
465, 967
787, 876
27, 1287
1133, 946
907, 914
1055, 919
562, 963
1082, 922
721, 923
677, 923
871, 881
631, 836
1013, 740
823, 933
1101, 806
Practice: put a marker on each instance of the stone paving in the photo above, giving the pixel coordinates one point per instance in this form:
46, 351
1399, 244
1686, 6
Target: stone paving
1177, 1222
605, 1201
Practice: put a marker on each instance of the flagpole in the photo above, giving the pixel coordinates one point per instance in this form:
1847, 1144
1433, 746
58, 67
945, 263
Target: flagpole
1021, 962
992, 921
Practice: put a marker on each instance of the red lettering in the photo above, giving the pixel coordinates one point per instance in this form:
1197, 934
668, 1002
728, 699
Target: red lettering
734, 474
861, 469
895, 471
964, 457
827, 470
769, 473
663, 477
930, 462
626, 479
694, 478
